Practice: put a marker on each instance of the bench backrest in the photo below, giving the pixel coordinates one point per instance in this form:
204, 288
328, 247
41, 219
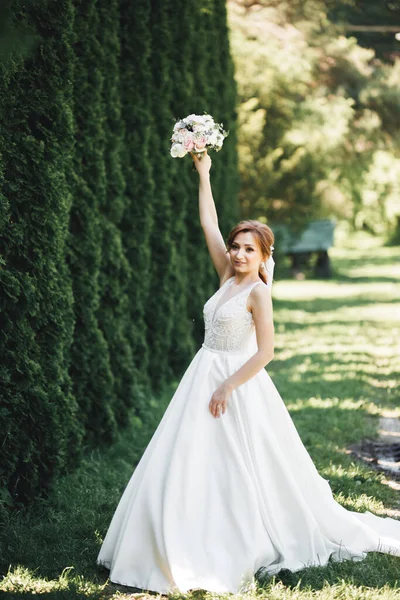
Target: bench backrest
316, 236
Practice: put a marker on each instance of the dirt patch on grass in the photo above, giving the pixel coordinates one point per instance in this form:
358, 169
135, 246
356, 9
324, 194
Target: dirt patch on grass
383, 454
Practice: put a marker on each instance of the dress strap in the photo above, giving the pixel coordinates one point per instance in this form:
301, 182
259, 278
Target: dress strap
252, 286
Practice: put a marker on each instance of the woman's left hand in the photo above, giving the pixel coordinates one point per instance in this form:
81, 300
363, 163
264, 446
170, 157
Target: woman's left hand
219, 400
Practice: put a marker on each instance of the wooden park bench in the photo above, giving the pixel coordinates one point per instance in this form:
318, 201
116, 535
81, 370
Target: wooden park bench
315, 239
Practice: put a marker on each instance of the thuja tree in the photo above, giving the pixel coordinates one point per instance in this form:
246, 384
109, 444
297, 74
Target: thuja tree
137, 218
90, 369
160, 303
115, 270
40, 424
183, 192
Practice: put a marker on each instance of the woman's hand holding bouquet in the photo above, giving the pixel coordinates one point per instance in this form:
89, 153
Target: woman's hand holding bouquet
195, 134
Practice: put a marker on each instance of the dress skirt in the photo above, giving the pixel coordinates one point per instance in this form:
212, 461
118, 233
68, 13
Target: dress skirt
214, 499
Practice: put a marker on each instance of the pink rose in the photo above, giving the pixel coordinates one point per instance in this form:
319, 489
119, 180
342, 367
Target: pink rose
189, 144
200, 143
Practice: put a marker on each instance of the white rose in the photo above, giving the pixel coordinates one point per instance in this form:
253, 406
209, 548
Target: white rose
199, 128
179, 125
212, 138
199, 120
178, 151
190, 118
179, 137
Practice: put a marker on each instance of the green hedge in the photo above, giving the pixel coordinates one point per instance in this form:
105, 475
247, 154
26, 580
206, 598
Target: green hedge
103, 267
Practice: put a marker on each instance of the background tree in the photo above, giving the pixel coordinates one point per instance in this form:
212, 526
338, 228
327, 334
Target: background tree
316, 112
41, 425
137, 218
91, 368
374, 17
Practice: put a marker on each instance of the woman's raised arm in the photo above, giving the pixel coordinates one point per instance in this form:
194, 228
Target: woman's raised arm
209, 220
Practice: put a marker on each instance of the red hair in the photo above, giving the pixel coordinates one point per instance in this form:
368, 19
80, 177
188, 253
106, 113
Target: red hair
263, 235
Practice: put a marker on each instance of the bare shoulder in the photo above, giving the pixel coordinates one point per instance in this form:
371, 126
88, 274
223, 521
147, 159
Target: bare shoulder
260, 296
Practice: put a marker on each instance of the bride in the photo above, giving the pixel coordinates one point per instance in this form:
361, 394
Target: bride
225, 487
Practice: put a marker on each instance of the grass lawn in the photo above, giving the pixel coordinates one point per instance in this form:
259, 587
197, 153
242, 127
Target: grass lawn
337, 366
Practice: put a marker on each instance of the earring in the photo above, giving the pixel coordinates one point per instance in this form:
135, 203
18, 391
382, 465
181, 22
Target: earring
262, 266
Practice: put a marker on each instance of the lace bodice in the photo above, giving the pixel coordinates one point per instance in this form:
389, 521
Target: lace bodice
229, 326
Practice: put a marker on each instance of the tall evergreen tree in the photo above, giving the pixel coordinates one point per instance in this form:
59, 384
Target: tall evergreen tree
116, 272
160, 304
137, 219
38, 410
91, 369
183, 192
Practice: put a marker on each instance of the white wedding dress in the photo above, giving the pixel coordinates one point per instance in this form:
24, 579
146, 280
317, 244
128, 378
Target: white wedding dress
213, 500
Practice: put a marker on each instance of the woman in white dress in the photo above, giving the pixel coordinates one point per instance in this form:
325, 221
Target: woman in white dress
225, 486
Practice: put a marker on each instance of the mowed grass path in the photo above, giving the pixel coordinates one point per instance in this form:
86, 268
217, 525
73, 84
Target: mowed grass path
337, 367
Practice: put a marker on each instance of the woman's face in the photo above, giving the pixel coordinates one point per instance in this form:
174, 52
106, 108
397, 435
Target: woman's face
245, 254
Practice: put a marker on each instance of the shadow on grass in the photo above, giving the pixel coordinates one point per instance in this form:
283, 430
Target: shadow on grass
322, 305
333, 375
344, 278
373, 259
318, 363
361, 574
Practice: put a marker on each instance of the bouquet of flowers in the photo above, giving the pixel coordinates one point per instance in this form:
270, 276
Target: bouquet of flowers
195, 134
